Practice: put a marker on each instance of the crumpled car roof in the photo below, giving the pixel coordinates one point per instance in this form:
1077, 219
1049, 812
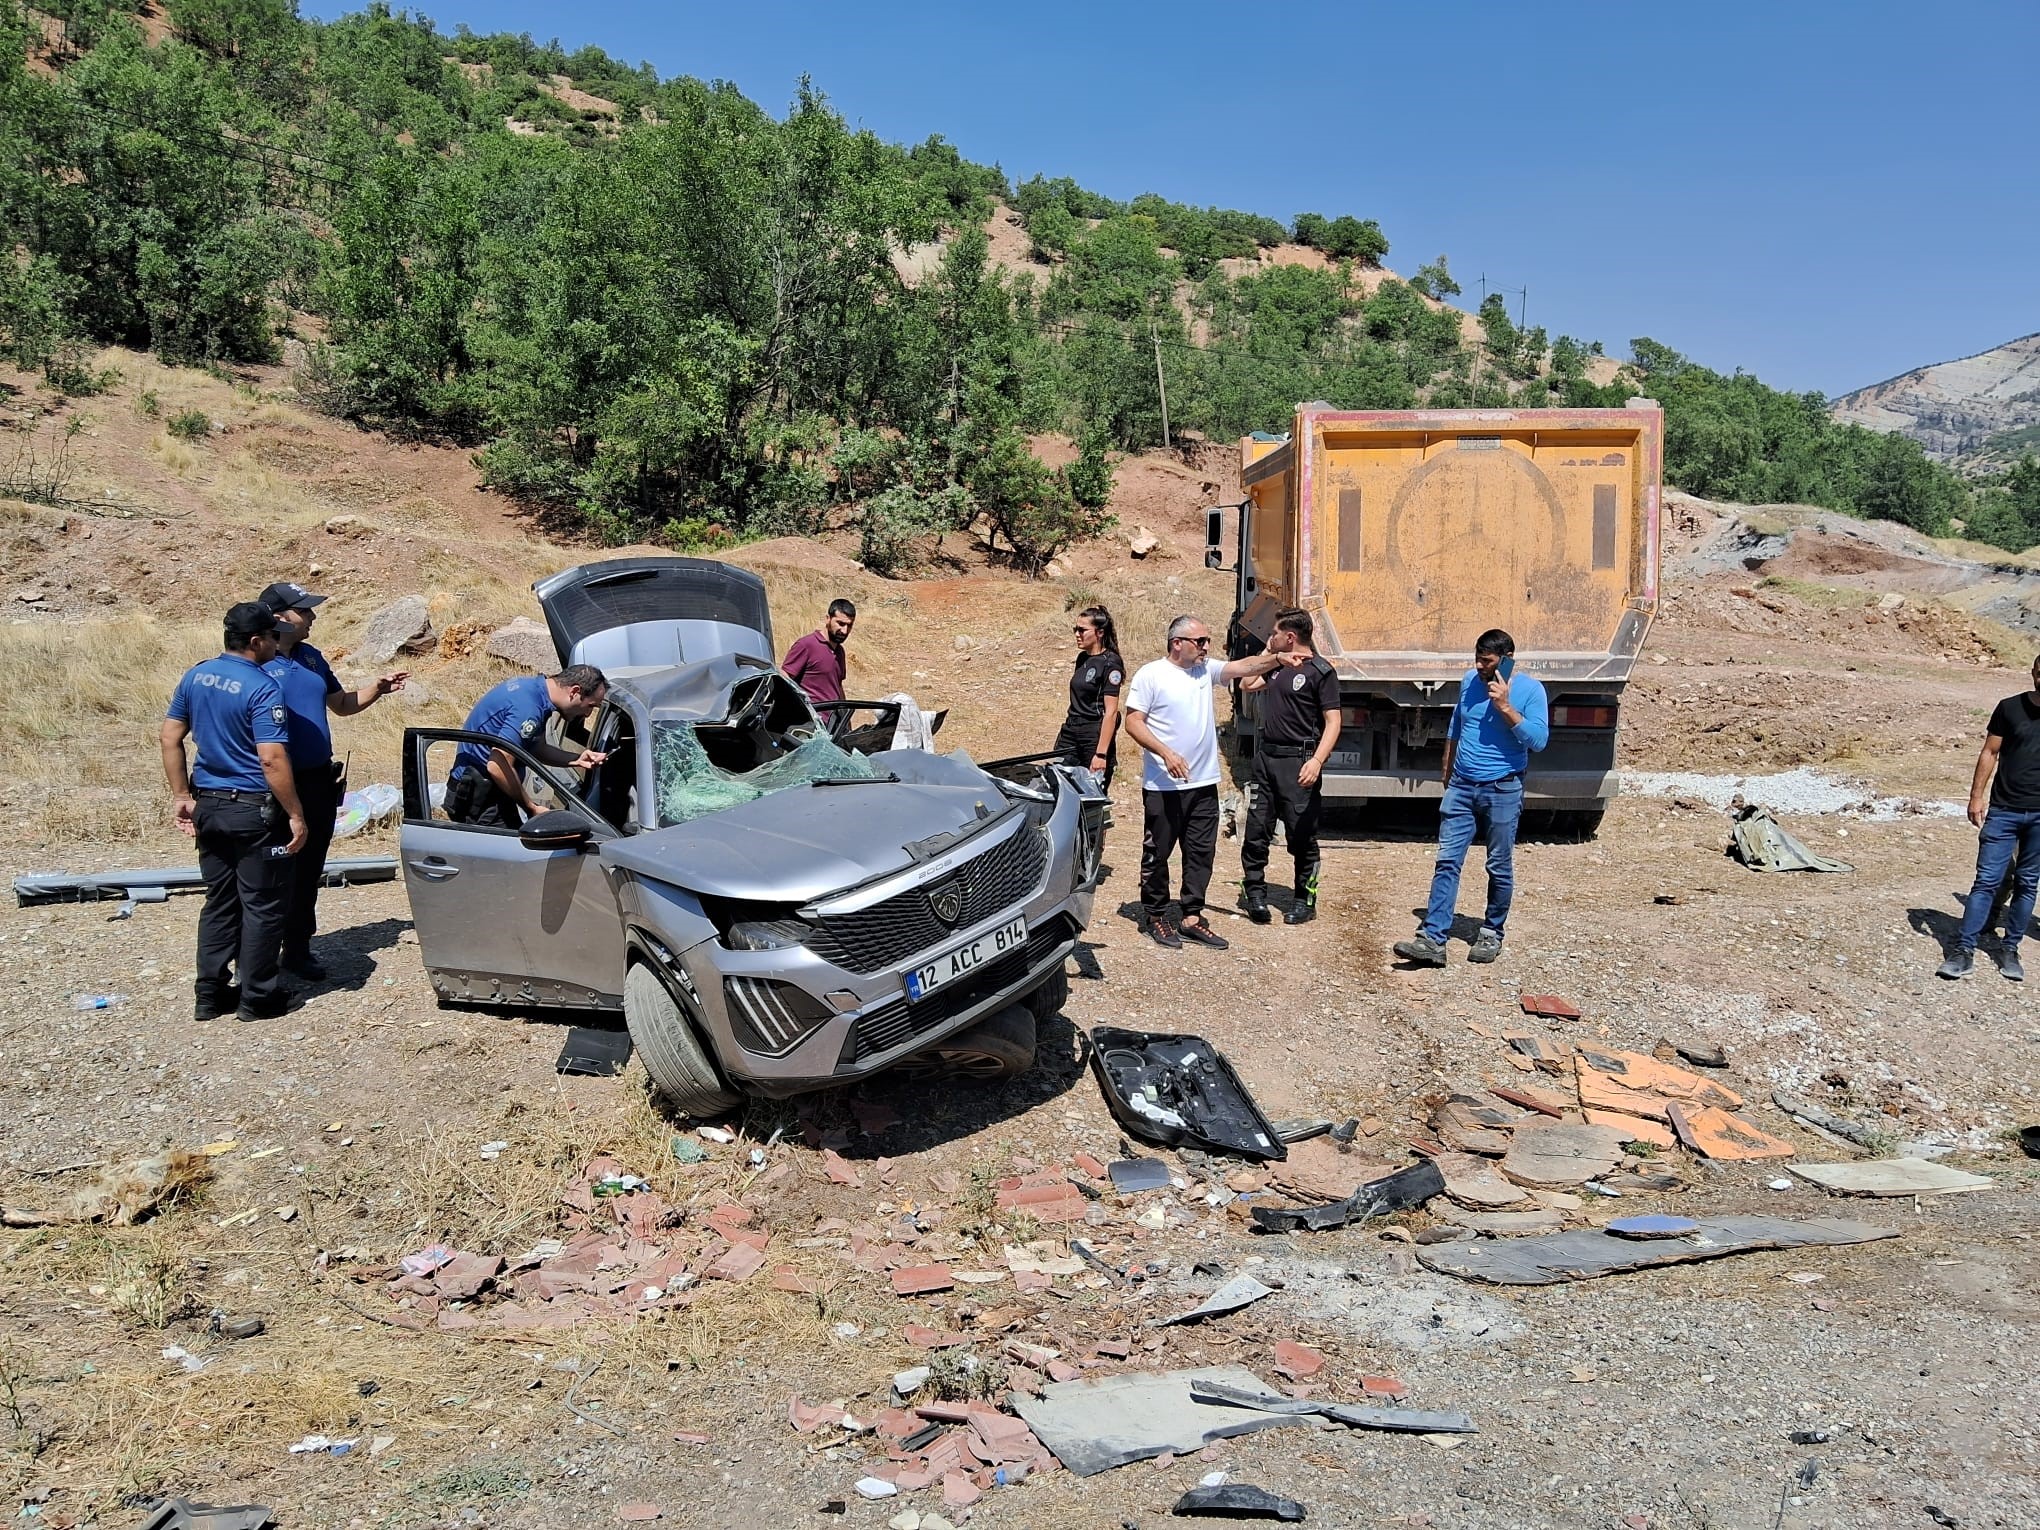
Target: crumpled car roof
690, 692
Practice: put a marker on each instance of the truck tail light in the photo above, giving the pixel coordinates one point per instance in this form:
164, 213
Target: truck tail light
1352, 717
1582, 717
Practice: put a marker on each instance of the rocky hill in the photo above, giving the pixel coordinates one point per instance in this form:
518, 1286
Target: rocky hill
1979, 412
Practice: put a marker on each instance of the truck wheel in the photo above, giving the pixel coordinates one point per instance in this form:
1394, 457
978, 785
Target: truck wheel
1047, 1001
998, 1047
680, 1069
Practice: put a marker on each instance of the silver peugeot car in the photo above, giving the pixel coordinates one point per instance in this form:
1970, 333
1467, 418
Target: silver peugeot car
777, 900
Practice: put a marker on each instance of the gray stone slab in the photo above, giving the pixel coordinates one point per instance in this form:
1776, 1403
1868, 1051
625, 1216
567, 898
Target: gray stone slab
1095, 1425
1585, 1254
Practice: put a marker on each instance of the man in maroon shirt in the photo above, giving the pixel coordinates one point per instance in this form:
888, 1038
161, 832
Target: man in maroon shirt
817, 663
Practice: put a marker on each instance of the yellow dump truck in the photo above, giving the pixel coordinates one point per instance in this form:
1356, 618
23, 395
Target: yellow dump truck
1406, 534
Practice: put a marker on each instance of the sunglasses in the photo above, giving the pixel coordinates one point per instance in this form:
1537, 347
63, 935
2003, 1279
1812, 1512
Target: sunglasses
1203, 642
1082, 631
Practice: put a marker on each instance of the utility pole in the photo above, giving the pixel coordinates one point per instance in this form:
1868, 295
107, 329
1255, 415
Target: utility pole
1161, 382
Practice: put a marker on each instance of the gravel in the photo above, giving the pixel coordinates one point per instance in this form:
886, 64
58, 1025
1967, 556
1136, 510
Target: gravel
1802, 792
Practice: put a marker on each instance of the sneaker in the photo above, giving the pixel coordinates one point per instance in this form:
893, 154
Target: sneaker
1960, 965
2010, 966
308, 967
1203, 934
1487, 945
1255, 902
1163, 934
1422, 950
1302, 911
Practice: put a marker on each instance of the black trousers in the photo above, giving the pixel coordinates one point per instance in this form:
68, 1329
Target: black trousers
319, 789
1078, 744
242, 855
1188, 818
1278, 794
472, 796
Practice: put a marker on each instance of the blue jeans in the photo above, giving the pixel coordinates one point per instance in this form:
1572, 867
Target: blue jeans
2004, 835
1497, 807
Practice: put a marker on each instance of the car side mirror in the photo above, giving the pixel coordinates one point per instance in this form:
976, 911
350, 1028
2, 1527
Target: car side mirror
557, 830
1213, 557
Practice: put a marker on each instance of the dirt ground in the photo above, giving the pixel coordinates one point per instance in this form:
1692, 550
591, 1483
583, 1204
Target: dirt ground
357, 1122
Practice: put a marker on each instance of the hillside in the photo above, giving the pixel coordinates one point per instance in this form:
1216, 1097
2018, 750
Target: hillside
1977, 413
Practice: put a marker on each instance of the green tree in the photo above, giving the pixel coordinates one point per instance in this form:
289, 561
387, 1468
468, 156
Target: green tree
1435, 280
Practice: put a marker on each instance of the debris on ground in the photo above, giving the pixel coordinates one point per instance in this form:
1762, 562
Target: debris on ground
1230, 1297
1398, 1191
1713, 1133
1700, 1054
1174, 1089
1094, 1425
183, 1514
1872, 1139
594, 1053
1587, 1253
1556, 1154
1547, 1006
1891, 1176
1353, 1415
1237, 1500
1758, 842
121, 1195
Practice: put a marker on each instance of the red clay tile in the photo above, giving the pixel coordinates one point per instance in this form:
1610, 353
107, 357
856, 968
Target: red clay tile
1549, 1005
1297, 1361
959, 1492
740, 1261
731, 1214
1089, 1165
1383, 1386
923, 1337
839, 1171
807, 1418
787, 1278
1062, 1370
1113, 1349
920, 1279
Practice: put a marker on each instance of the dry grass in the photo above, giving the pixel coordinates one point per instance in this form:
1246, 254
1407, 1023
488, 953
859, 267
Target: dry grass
90, 1308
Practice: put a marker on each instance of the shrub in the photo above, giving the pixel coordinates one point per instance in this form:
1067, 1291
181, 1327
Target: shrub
190, 425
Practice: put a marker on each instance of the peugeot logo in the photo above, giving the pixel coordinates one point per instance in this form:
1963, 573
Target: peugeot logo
947, 902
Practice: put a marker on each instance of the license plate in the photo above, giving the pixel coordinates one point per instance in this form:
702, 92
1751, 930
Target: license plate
965, 960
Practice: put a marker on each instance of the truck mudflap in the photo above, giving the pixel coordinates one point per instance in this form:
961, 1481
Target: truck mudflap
1564, 790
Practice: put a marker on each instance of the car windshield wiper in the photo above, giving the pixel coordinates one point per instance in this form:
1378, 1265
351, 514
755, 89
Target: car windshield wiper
853, 780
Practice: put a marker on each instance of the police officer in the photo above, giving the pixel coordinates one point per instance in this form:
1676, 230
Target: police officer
486, 786
241, 805
311, 690
1299, 726
1090, 730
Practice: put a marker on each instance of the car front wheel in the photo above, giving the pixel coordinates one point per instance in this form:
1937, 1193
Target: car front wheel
998, 1047
674, 1058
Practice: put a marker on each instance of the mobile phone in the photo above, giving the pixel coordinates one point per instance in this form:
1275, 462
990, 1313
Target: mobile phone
1506, 668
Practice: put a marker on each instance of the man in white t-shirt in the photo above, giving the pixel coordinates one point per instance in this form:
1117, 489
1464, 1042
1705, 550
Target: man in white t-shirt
1169, 714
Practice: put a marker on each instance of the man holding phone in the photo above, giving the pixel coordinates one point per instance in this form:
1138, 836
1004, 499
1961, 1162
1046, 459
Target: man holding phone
1502, 718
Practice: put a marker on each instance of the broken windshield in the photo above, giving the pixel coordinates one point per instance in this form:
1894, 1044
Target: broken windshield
690, 784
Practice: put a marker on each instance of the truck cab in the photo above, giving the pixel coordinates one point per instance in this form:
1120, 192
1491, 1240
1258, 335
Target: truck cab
1407, 533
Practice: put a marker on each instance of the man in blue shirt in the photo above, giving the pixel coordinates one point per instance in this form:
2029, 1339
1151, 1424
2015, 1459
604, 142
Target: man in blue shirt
311, 690
1501, 720
241, 805
486, 786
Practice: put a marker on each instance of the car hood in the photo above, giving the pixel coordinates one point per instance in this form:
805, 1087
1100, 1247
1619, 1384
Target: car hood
808, 841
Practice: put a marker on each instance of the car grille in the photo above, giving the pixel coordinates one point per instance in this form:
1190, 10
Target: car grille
886, 934
899, 1020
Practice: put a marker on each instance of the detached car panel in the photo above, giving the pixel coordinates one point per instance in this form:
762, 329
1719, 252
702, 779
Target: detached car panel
810, 914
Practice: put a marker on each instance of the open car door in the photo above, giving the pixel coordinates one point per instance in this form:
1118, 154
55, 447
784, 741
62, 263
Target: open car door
500, 921
869, 727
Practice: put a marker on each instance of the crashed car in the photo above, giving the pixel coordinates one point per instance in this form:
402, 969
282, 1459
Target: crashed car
772, 911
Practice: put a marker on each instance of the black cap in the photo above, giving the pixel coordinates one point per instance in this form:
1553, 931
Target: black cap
250, 619
284, 596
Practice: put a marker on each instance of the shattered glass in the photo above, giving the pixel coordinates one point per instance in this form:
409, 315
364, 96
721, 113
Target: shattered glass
689, 784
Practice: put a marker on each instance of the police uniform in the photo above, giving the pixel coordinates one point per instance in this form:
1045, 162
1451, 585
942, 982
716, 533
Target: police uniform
1097, 676
231, 706
306, 680
1294, 705
515, 711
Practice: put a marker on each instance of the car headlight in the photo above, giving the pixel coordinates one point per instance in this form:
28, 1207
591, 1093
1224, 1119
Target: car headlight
767, 934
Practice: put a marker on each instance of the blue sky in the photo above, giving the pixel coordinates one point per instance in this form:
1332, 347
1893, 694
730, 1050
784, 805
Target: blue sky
1824, 194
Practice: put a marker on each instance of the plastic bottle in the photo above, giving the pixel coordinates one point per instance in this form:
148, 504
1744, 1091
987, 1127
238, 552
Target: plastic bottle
97, 1000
